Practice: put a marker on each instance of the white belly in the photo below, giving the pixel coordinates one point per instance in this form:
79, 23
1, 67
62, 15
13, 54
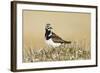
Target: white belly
52, 44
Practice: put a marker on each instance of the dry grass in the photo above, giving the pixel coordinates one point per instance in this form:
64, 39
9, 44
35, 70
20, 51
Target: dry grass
61, 53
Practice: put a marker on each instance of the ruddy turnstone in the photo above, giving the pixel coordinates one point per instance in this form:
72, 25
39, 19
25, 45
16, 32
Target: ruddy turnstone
52, 39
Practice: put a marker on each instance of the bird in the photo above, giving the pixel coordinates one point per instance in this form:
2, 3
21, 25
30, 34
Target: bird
52, 39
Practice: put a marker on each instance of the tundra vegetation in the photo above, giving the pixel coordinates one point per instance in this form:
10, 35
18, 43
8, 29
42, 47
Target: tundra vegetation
74, 51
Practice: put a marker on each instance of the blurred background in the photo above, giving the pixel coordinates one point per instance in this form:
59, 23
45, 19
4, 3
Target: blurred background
68, 25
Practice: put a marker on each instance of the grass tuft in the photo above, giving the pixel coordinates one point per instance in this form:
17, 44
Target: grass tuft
55, 54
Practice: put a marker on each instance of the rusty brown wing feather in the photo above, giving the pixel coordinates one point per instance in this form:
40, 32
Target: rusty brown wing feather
58, 39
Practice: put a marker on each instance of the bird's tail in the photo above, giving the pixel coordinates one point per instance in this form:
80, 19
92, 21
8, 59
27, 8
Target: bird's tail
67, 42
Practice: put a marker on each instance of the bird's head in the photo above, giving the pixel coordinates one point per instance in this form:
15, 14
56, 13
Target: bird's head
48, 27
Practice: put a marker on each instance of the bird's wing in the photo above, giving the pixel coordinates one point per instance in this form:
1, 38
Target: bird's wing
56, 38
